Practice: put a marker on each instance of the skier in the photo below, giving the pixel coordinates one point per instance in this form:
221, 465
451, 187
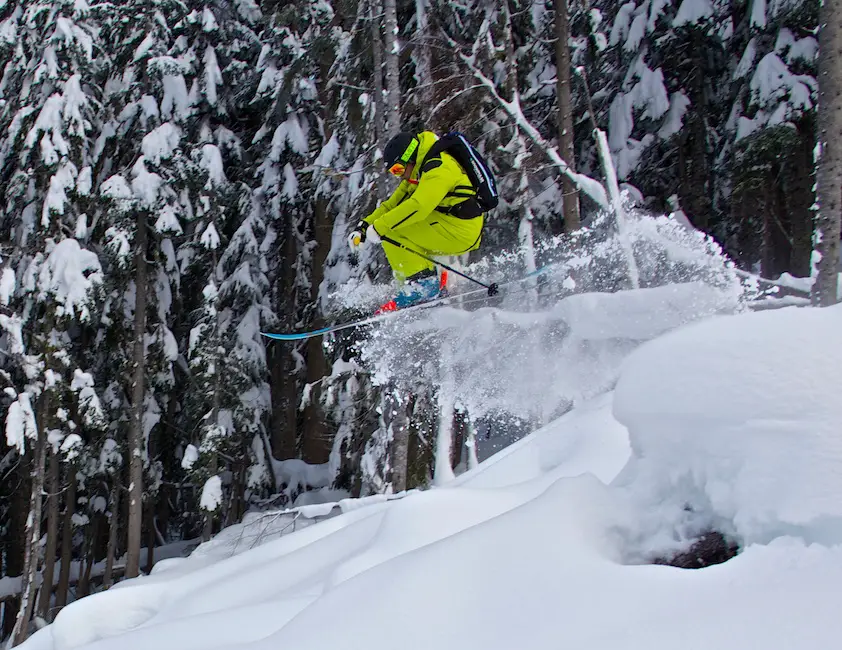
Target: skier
434, 211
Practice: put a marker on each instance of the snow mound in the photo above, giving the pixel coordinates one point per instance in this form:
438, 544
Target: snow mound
599, 446
731, 416
734, 423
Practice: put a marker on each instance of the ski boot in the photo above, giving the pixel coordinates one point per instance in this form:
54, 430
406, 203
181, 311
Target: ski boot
422, 287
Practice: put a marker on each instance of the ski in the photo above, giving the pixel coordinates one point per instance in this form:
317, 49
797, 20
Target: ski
376, 318
368, 320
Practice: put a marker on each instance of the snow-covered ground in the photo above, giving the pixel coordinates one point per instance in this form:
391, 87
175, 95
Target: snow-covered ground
730, 423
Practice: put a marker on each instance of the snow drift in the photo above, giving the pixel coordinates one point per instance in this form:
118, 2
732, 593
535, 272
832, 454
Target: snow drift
734, 425
731, 416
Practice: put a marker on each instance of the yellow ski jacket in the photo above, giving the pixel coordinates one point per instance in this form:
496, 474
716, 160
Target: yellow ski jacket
443, 184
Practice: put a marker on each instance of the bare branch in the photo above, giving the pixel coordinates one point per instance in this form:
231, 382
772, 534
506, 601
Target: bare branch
588, 185
449, 99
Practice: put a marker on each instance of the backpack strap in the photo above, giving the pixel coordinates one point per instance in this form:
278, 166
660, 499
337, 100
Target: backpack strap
430, 163
433, 157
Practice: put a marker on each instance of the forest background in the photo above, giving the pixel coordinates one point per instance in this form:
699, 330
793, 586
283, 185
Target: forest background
179, 176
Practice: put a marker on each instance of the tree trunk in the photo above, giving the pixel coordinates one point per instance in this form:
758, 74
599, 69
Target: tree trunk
283, 384
207, 528
393, 82
471, 460
67, 538
16, 538
460, 435
111, 551
238, 480
33, 527
83, 587
398, 422
800, 198
420, 456
150, 535
767, 210
316, 442
283, 368
267, 451
694, 170
379, 102
565, 116
136, 442
52, 536
422, 57
829, 173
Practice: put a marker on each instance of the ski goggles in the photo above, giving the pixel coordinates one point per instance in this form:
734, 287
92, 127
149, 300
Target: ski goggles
399, 168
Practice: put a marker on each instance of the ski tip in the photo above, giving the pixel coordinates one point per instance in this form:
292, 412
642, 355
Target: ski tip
279, 337
287, 337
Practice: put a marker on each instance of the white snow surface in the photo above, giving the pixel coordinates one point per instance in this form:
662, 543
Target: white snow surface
67, 276
729, 421
211, 494
692, 11
191, 455
8, 284
161, 143
739, 419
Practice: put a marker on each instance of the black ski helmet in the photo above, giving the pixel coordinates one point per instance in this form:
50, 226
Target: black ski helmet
400, 149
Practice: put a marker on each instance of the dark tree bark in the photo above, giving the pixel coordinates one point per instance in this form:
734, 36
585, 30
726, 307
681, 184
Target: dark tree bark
393, 88
694, 170
800, 198
66, 538
316, 441
829, 174
113, 520
32, 531
396, 417
379, 101
16, 536
52, 536
150, 536
136, 441
283, 364
565, 115
83, 587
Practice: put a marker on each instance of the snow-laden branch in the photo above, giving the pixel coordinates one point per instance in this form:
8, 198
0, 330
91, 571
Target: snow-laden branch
588, 185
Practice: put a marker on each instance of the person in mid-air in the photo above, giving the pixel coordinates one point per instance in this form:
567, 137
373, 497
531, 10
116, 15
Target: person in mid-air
435, 211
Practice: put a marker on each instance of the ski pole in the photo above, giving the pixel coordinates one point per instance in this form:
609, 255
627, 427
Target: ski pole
493, 288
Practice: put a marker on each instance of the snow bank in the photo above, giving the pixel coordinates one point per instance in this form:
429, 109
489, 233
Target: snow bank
587, 439
261, 582
734, 423
732, 416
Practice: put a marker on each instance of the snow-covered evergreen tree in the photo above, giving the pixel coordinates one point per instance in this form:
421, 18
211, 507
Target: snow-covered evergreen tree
50, 76
294, 144
182, 175
709, 108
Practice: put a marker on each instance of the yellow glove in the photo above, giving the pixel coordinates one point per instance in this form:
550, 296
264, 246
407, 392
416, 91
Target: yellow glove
363, 233
357, 237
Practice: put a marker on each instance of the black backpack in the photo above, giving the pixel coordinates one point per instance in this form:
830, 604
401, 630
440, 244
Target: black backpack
457, 145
